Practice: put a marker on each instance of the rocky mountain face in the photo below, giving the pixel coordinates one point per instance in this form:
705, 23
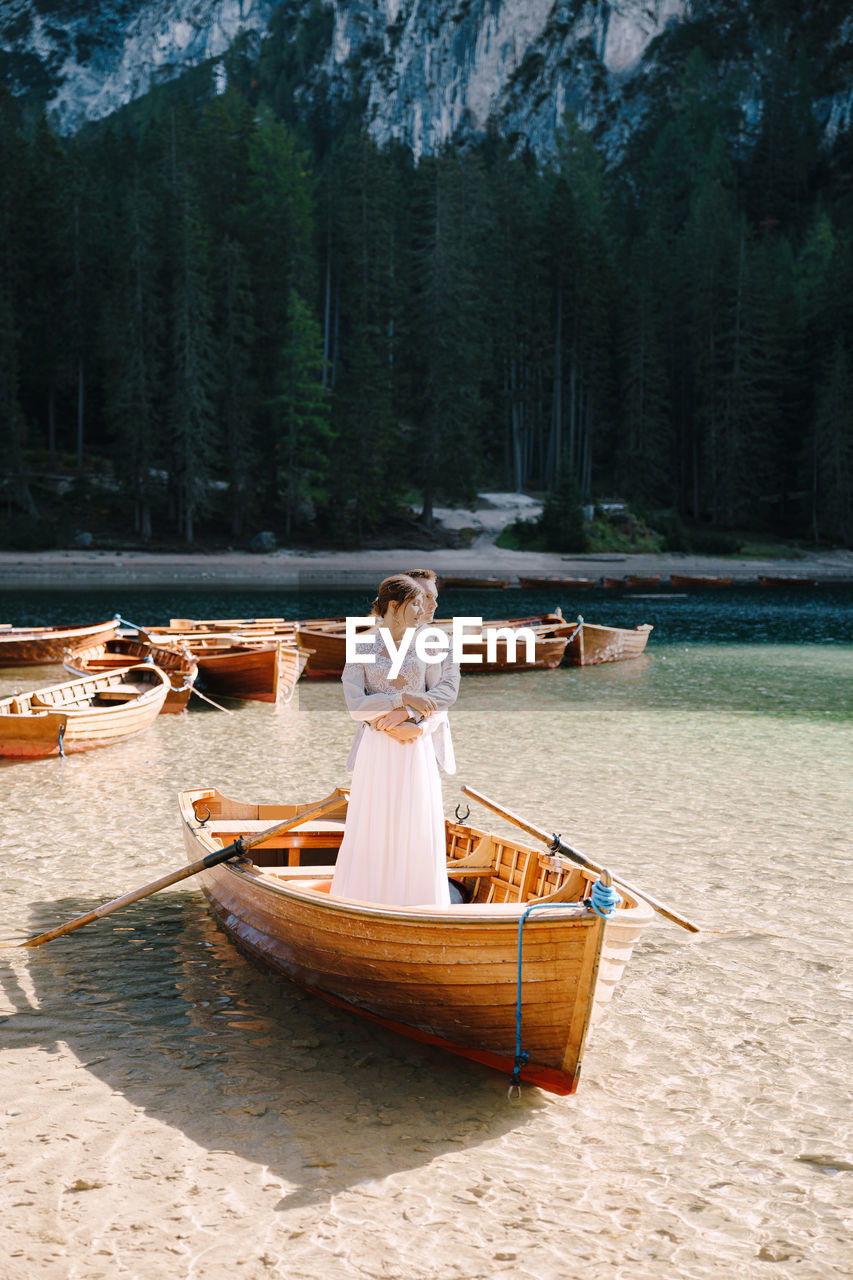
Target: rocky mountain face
425, 71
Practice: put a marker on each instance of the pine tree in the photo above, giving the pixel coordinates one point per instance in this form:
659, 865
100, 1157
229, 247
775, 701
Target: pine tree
832, 450
238, 396
133, 342
191, 352
302, 403
561, 520
447, 318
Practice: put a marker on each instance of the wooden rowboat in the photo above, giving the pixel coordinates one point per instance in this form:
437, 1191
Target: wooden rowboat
327, 642
682, 582
37, 646
594, 643
764, 581
555, 584
444, 976
80, 715
178, 664
261, 669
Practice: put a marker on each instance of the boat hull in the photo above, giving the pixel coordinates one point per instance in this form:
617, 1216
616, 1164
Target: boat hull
556, 584
179, 667
447, 977
267, 673
593, 644
328, 646
682, 582
39, 646
262, 668
80, 715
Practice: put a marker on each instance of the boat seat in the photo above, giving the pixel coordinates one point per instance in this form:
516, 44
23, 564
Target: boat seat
250, 826
122, 692
317, 886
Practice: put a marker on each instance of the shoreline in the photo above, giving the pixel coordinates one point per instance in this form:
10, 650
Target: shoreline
288, 570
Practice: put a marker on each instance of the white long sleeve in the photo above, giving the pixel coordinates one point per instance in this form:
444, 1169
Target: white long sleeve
361, 704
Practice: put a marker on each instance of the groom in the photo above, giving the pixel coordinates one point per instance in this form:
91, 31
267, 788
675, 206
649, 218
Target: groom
442, 688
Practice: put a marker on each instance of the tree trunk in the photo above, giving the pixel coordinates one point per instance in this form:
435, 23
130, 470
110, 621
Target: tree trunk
80, 404
51, 428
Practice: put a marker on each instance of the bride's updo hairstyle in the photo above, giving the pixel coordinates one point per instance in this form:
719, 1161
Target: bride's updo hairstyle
395, 590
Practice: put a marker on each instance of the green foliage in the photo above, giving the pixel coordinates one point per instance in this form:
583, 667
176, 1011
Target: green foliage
249, 306
561, 521
303, 446
621, 531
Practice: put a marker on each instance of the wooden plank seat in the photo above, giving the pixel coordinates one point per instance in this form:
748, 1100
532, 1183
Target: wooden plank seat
122, 692
251, 826
284, 849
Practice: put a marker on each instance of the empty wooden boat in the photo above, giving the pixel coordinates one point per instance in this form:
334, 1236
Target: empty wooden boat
37, 646
556, 584
765, 581
80, 715
690, 582
178, 664
254, 669
327, 642
448, 976
593, 643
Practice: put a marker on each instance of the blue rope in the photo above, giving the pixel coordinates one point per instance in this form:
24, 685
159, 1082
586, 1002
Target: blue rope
603, 903
605, 899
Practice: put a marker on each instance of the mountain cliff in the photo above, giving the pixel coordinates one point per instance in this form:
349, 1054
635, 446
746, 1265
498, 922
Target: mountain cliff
425, 71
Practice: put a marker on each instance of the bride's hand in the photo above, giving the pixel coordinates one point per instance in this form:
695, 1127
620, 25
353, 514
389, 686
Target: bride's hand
391, 719
420, 702
404, 733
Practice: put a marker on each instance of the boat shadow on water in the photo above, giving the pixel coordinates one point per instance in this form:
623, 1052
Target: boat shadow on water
160, 1007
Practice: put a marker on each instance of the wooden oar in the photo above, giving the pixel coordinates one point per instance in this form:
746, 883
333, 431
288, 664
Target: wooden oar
232, 850
555, 843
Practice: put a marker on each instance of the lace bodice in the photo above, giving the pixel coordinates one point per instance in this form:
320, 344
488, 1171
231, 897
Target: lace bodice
411, 677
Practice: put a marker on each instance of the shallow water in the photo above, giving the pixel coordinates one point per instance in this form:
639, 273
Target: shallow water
169, 1110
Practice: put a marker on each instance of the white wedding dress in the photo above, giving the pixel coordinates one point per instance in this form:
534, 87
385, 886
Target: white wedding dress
393, 851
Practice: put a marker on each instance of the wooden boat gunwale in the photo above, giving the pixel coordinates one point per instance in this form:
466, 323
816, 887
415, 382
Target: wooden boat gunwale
64, 718
49, 644
177, 663
415, 969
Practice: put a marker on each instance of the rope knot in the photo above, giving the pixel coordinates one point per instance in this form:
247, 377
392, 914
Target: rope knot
605, 899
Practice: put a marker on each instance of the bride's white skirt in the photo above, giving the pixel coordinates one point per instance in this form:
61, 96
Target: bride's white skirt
394, 851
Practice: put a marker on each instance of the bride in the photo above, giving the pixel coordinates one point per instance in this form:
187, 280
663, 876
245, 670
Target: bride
393, 851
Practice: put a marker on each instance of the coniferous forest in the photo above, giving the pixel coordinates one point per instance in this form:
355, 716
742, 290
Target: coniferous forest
219, 315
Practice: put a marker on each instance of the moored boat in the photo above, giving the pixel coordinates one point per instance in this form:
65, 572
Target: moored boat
255, 669
82, 714
327, 642
593, 643
178, 664
639, 582
556, 584
38, 646
765, 581
449, 976
689, 582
